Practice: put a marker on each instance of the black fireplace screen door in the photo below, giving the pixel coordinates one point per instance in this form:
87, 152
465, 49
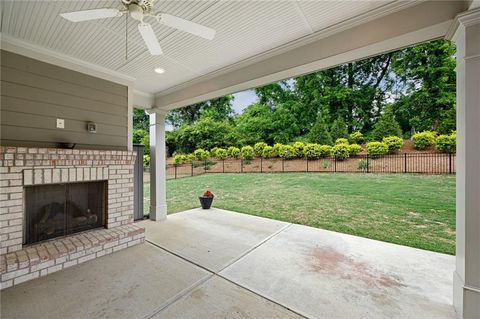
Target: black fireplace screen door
62, 209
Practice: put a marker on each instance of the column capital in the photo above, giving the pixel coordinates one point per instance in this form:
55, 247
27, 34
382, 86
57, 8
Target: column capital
154, 110
464, 19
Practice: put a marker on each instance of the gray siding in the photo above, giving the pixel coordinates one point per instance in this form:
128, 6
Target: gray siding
34, 94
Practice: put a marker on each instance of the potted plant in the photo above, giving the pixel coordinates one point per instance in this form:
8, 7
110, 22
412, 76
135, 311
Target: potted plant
206, 199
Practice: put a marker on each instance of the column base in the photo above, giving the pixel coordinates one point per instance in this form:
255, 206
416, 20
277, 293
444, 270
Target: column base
158, 212
466, 301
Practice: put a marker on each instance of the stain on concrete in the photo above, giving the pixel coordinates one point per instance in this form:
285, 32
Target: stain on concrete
329, 261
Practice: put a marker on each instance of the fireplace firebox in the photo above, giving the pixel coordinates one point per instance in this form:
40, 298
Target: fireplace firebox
62, 209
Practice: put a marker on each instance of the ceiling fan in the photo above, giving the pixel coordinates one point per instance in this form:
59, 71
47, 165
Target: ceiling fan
138, 10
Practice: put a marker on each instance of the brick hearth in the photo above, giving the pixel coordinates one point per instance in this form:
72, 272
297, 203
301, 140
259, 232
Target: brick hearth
21, 166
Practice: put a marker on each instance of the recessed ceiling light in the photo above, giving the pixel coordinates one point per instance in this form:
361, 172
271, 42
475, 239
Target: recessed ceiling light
159, 70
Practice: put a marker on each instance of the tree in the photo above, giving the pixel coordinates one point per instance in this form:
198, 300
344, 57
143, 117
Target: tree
205, 133
426, 81
284, 123
141, 120
339, 129
386, 126
319, 133
413, 88
219, 109
273, 94
254, 125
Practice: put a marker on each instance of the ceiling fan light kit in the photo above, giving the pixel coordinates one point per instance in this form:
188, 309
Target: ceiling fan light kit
138, 10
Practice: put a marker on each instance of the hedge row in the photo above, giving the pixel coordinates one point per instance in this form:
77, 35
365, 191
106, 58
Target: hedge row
342, 149
443, 143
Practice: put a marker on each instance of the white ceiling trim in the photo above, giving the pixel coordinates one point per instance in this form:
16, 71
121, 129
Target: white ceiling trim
34, 51
313, 37
143, 100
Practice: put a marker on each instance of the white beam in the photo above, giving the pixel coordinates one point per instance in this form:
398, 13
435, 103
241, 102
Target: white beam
158, 178
466, 294
425, 21
143, 100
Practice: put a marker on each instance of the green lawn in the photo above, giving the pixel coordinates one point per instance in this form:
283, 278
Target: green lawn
412, 210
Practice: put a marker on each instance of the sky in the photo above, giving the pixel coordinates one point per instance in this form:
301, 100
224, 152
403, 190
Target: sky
243, 99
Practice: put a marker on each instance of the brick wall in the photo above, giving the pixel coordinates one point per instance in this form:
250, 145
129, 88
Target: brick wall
21, 166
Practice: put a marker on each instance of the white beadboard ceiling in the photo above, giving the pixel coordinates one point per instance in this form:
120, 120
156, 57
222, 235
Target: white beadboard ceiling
244, 30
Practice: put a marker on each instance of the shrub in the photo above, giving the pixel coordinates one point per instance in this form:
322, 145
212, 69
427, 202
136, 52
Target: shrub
276, 149
233, 152
201, 154
341, 141
319, 133
268, 152
298, 147
354, 149
376, 149
386, 125
221, 153
423, 140
339, 129
363, 164
287, 151
447, 143
247, 152
311, 151
258, 148
213, 152
146, 160
190, 157
326, 164
340, 151
394, 143
324, 150
179, 159
356, 138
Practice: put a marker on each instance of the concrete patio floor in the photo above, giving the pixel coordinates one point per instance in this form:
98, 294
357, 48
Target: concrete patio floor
220, 264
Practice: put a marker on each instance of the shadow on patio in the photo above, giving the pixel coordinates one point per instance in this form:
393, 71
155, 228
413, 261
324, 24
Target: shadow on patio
220, 264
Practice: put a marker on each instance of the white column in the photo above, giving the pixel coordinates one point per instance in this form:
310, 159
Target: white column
466, 290
158, 180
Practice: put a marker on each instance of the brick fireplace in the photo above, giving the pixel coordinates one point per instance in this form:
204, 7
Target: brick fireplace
23, 168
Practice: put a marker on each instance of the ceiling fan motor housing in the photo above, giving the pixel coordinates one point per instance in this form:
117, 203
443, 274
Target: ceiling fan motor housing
136, 12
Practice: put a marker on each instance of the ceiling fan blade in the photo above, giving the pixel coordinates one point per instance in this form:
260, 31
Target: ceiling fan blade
146, 31
85, 15
187, 26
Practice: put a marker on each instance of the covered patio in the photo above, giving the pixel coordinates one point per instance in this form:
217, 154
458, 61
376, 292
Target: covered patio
221, 264
68, 91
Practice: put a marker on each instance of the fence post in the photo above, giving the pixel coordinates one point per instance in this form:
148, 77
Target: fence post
191, 167
241, 165
335, 163
449, 163
368, 165
283, 165
405, 164
175, 167
307, 164
261, 164
223, 166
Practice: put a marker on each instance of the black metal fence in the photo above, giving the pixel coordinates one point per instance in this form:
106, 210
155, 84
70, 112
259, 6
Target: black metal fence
424, 163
